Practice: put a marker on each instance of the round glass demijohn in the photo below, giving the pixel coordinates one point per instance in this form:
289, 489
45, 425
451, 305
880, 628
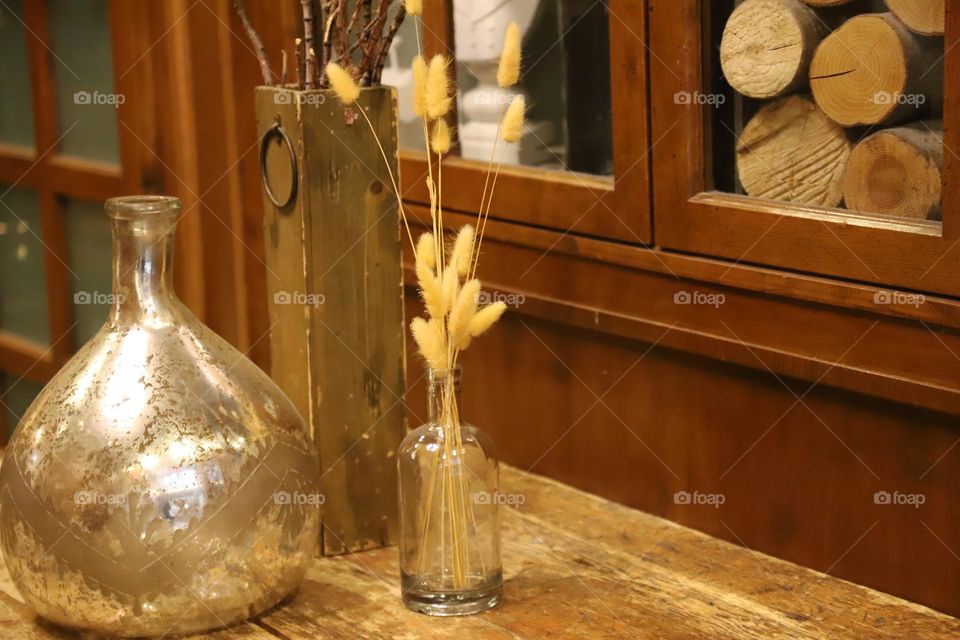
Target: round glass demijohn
149, 489
449, 509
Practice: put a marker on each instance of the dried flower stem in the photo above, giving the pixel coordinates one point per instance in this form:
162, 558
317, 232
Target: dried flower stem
481, 220
393, 179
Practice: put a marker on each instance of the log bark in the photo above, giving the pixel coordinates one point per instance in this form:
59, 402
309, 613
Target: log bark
873, 70
791, 151
767, 46
898, 172
926, 17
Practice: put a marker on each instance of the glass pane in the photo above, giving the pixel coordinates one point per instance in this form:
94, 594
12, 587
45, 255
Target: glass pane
837, 107
16, 117
83, 71
397, 73
15, 399
23, 291
568, 123
89, 243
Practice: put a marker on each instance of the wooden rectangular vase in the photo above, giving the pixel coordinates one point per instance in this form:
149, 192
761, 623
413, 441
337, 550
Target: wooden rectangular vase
335, 286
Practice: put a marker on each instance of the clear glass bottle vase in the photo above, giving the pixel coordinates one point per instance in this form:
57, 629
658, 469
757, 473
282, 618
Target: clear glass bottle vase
449, 516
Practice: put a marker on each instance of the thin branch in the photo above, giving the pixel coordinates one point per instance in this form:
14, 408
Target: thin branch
309, 71
387, 42
342, 37
261, 51
371, 46
298, 49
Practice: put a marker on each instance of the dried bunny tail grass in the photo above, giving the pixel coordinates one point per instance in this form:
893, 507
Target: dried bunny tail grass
438, 87
450, 284
431, 290
414, 7
462, 254
486, 318
426, 251
513, 121
463, 311
420, 86
441, 139
429, 339
508, 73
342, 83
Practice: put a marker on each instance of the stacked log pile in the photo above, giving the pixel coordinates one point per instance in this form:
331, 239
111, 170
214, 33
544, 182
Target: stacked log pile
849, 101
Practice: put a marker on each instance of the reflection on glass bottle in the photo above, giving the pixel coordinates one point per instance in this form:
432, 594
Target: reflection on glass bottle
449, 514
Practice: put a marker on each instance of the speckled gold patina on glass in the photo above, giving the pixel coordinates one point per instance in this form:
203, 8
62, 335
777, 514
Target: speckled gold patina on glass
160, 483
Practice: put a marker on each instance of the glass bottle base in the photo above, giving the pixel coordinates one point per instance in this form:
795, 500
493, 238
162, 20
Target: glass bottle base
418, 597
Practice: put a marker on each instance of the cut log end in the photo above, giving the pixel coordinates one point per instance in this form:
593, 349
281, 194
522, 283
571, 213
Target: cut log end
926, 17
827, 3
897, 172
872, 70
791, 151
767, 46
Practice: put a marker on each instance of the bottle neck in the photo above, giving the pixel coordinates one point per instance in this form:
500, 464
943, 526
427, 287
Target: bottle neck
443, 396
143, 265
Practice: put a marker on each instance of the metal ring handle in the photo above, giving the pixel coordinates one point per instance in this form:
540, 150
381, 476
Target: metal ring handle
277, 131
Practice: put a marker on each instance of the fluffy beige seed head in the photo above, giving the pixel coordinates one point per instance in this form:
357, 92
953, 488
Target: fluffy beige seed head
441, 139
462, 253
486, 317
438, 87
420, 86
450, 285
432, 292
342, 83
508, 73
429, 341
427, 250
414, 7
463, 311
513, 121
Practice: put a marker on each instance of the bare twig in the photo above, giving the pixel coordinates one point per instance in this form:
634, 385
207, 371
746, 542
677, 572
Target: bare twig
387, 42
327, 48
309, 71
371, 50
298, 50
241, 10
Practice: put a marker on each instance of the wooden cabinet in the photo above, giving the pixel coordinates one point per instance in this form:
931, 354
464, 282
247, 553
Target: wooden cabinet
695, 155
796, 357
614, 206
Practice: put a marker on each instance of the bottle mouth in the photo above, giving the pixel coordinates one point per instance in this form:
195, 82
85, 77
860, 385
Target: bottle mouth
142, 207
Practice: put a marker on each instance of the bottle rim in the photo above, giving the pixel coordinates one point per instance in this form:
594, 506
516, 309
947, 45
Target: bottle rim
142, 207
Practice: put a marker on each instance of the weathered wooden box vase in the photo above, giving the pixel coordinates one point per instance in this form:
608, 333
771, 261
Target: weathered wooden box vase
335, 292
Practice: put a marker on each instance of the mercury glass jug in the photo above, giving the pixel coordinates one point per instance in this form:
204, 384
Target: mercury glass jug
160, 483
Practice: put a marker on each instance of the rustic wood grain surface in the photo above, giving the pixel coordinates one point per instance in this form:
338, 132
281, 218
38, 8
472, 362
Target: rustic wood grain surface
578, 566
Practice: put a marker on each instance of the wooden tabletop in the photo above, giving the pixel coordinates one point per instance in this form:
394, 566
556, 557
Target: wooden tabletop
578, 566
